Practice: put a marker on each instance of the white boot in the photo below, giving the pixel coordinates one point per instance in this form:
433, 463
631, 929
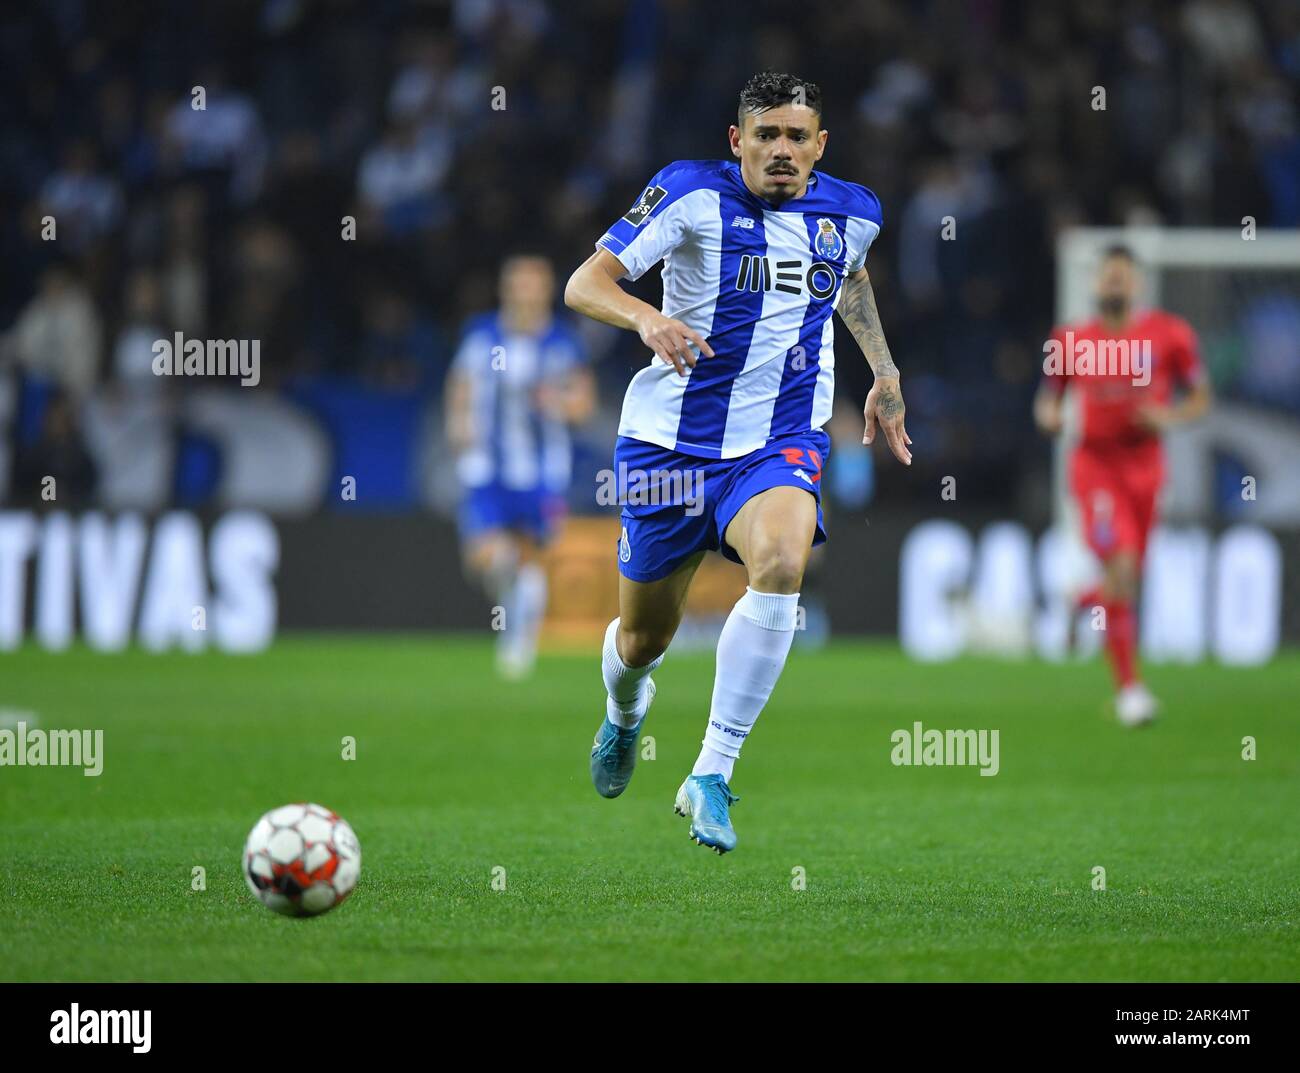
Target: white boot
1135, 706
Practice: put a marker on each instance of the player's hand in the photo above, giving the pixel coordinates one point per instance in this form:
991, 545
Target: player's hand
671, 340
1156, 418
885, 405
1050, 424
550, 400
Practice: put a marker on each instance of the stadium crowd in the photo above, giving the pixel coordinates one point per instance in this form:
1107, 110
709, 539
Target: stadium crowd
456, 132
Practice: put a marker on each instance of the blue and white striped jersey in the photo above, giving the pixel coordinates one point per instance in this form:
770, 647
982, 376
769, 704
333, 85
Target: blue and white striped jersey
516, 444
759, 283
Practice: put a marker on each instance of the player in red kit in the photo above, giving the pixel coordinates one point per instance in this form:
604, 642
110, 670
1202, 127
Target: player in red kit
1133, 374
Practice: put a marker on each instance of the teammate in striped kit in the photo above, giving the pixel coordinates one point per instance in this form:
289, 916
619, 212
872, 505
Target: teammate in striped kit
756, 256
518, 381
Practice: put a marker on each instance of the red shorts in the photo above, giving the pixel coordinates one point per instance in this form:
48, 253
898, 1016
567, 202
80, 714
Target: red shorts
1116, 494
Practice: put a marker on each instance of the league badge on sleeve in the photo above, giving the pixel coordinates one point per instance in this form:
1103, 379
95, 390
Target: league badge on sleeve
828, 242
640, 212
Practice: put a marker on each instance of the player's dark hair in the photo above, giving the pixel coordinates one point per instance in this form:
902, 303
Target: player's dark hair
1119, 250
773, 88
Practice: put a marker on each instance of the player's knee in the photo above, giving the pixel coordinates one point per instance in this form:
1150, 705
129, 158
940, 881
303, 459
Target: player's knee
1121, 578
776, 567
493, 553
639, 646
481, 558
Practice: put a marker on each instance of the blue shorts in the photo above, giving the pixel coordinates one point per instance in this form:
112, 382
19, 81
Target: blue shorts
535, 512
676, 505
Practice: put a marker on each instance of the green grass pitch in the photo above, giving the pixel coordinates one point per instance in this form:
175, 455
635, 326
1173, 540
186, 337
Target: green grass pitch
927, 873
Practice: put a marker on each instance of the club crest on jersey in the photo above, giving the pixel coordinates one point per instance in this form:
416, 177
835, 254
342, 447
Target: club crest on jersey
640, 212
828, 242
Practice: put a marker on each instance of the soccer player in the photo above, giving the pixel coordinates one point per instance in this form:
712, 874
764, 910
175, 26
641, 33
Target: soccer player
1126, 367
517, 383
757, 252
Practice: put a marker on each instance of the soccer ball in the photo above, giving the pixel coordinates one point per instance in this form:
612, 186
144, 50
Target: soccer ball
301, 860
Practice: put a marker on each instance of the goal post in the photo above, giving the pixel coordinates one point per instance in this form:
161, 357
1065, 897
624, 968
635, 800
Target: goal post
1209, 251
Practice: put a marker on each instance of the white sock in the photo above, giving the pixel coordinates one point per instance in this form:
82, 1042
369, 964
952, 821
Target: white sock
710, 762
525, 609
751, 654
626, 705
501, 573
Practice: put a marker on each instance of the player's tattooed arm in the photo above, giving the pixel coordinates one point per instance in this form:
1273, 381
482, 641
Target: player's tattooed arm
885, 400
859, 312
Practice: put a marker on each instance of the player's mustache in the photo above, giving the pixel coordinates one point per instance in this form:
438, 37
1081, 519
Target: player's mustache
781, 169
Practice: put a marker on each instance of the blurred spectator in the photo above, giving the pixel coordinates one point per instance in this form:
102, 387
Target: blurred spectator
186, 262
86, 204
133, 349
1271, 330
1224, 32
57, 336
851, 480
266, 288
398, 348
59, 452
224, 135
455, 131
949, 196
399, 177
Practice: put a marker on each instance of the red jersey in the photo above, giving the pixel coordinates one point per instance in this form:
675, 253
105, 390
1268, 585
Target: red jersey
1114, 374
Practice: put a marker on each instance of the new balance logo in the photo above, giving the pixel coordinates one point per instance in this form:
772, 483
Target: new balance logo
756, 274
743, 221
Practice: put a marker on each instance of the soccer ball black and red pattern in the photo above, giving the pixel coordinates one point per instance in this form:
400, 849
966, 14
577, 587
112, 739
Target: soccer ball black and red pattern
301, 860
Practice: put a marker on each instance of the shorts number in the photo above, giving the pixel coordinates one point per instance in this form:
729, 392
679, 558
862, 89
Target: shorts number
795, 456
